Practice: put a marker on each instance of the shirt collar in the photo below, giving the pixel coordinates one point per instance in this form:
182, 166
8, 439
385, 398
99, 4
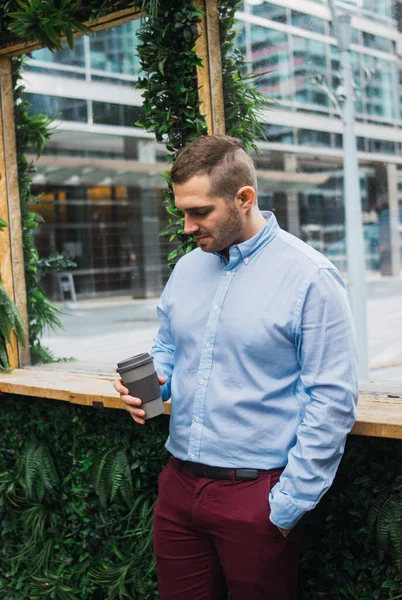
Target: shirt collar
246, 250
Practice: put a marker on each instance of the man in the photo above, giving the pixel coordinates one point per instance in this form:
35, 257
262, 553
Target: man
256, 350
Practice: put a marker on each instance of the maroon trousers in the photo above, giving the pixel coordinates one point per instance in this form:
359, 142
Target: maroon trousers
208, 532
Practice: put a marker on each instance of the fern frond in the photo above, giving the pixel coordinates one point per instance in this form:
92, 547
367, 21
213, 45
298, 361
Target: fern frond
31, 465
48, 471
395, 532
40, 471
374, 511
120, 477
101, 476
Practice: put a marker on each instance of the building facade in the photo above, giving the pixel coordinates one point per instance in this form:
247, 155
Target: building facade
100, 175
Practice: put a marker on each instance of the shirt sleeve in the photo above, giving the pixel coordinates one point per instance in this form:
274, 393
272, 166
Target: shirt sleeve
326, 350
163, 346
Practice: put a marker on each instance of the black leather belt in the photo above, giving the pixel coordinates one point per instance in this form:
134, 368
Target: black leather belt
220, 472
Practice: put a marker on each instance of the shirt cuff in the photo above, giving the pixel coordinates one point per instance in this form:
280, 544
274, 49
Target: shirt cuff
165, 391
283, 512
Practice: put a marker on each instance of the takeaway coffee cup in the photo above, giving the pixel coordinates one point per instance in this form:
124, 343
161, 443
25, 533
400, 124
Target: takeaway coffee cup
140, 378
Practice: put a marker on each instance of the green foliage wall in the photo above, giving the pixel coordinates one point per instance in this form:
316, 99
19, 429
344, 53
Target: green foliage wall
63, 537
59, 537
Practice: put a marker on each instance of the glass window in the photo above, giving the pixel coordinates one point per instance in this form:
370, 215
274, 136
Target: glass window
45, 71
379, 7
378, 92
308, 22
107, 113
376, 42
309, 60
278, 133
75, 57
269, 11
114, 50
381, 146
66, 109
306, 137
240, 39
270, 57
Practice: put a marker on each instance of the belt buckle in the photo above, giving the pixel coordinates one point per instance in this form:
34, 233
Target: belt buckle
205, 471
247, 474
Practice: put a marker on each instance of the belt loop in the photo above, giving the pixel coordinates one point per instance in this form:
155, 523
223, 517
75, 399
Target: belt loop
233, 475
177, 462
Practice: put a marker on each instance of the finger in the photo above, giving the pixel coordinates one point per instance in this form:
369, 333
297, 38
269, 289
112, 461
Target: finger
133, 410
131, 400
119, 387
161, 379
137, 414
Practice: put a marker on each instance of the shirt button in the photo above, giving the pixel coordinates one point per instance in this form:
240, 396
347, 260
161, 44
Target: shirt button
197, 419
228, 273
201, 382
246, 260
216, 307
193, 456
208, 345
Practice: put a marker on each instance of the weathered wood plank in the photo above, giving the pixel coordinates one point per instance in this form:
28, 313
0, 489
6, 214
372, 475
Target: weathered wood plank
9, 162
215, 67
77, 388
378, 416
203, 74
6, 269
116, 18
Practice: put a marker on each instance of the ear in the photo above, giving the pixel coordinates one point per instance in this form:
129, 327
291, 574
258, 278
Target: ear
246, 197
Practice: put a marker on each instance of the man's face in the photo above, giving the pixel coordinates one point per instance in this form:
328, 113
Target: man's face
216, 223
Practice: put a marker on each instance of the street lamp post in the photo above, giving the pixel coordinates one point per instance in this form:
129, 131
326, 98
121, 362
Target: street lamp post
352, 201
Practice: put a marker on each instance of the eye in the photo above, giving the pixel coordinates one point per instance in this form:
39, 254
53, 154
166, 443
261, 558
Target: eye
202, 213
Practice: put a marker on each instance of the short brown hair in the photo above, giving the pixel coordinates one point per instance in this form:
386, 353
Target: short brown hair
221, 157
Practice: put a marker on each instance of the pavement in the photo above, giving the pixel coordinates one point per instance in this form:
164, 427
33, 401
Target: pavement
100, 332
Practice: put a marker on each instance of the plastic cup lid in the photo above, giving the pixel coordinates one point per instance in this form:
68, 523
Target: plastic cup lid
133, 362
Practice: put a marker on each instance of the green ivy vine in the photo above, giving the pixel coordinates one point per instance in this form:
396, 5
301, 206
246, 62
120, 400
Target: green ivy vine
170, 89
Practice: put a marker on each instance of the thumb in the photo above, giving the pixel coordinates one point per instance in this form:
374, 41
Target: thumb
161, 379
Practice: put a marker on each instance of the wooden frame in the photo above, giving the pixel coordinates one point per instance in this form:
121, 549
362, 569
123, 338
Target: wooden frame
11, 253
379, 404
209, 76
116, 18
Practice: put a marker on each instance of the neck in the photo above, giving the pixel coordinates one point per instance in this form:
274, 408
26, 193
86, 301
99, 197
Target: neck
254, 224
252, 227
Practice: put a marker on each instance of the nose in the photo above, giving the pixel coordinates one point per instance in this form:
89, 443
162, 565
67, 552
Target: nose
190, 226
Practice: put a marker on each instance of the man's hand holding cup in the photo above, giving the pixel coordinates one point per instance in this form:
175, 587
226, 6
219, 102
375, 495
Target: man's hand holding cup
133, 405
139, 387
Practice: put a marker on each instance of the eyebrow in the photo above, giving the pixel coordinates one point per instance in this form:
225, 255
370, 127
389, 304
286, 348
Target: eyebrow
197, 208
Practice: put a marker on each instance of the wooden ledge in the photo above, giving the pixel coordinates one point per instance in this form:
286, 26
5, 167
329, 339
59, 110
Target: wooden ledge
379, 408
77, 388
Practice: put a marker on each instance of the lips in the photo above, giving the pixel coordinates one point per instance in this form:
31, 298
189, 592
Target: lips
200, 239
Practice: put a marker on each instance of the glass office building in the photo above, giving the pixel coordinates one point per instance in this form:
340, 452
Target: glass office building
100, 175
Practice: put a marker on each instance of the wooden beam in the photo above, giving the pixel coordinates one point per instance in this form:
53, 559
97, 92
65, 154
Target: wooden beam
210, 87
215, 67
203, 76
12, 257
77, 388
115, 18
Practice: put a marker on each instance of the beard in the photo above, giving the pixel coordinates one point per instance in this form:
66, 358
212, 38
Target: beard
226, 233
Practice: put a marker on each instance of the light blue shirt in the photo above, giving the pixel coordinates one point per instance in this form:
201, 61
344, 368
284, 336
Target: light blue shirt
260, 358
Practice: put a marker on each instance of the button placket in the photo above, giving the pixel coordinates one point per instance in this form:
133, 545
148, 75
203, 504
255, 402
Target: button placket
205, 367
